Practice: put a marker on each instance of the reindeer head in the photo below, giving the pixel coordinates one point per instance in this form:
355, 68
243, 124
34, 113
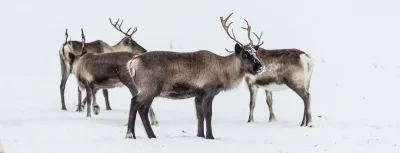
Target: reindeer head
75, 48
127, 43
247, 53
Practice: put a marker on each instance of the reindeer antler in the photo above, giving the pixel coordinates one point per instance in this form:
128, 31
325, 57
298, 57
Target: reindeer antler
248, 35
66, 35
69, 44
248, 32
83, 36
118, 27
226, 28
83, 42
259, 38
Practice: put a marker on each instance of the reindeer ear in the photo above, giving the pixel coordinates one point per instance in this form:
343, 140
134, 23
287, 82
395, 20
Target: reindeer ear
256, 47
127, 41
238, 49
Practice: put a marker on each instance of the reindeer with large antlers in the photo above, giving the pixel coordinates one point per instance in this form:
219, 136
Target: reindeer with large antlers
71, 50
200, 74
286, 68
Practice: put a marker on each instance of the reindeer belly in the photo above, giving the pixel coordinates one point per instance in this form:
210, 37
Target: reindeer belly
274, 87
108, 83
179, 91
269, 82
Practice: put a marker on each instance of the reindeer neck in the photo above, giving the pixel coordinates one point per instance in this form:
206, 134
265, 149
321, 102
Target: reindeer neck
232, 70
117, 46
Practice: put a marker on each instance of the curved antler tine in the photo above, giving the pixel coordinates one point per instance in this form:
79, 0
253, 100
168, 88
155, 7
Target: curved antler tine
259, 38
117, 21
229, 51
261, 43
248, 32
233, 34
228, 16
134, 31
128, 30
248, 25
122, 21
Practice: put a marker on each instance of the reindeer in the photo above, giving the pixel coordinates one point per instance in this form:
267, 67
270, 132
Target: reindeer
98, 46
70, 53
286, 68
200, 74
100, 71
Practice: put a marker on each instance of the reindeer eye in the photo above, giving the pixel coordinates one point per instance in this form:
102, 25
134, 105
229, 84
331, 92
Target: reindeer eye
245, 55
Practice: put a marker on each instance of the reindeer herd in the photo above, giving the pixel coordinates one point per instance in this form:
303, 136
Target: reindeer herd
173, 75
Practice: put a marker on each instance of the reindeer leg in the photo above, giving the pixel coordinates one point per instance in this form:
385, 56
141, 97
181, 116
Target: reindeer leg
200, 117
269, 103
144, 115
130, 134
308, 112
207, 111
80, 105
303, 93
128, 82
96, 107
83, 105
153, 118
105, 93
64, 77
253, 94
62, 90
89, 96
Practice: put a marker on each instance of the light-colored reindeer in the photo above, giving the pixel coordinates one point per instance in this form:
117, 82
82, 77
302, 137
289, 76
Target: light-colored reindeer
286, 69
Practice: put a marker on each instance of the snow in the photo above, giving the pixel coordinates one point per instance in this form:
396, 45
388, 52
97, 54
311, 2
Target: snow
354, 91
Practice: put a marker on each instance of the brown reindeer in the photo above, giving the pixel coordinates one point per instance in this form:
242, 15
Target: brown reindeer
286, 68
72, 50
200, 74
101, 71
98, 46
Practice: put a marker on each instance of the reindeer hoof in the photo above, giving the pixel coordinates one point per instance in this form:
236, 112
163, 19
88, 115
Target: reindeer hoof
130, 136
272, 119
210, 137
108, 108
308, 125
79, 109
96, 110
200, 135
155, 123
64, 108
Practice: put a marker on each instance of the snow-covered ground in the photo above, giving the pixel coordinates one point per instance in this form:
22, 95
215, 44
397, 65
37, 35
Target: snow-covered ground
355, 102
